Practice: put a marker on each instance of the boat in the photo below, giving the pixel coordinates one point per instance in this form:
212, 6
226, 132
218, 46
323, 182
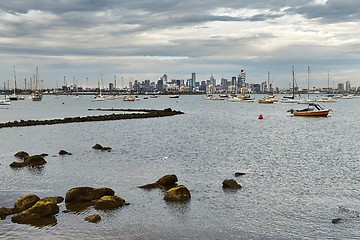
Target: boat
111, 97
99, 97
13, 97
217, 98
5, 102
241, 98
325, 99
292, 98
128, 99
37, 95
208, 97
347, 96
313, 110
174, 96
265, 101
308, 100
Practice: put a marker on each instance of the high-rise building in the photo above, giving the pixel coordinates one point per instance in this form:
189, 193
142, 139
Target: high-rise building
192, 82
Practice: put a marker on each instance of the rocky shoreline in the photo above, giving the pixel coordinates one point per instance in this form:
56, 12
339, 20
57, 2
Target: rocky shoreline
138, 113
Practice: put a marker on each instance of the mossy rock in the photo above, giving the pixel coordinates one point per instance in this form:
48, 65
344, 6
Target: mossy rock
5, 212
41, 209
25, 202
85, 194
109, 203
177, 194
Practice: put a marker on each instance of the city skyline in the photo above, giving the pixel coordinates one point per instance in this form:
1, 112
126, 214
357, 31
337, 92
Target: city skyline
146, 39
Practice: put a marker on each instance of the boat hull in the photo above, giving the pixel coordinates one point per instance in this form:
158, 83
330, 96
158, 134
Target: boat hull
323, 113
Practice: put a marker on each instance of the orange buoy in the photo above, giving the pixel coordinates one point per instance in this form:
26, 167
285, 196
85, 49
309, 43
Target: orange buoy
260, 116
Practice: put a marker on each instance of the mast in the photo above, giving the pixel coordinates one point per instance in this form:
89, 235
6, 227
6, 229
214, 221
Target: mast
308, 80
14, 81
293, 75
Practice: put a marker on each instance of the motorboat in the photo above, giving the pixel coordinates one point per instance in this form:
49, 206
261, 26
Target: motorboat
266, 101
174, 96
5, 102
313, 110
128, 99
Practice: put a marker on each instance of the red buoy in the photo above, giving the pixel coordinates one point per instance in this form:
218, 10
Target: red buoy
260, 116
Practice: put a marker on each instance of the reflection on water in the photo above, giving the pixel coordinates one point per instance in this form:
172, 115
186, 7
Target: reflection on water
299, 171
42, 222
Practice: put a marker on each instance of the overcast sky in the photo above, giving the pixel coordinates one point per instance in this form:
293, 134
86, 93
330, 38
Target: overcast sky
141, 40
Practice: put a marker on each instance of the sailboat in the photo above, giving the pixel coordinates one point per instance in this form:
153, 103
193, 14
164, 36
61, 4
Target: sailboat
99, 97
270, 98
14, 97
291, 99
37, 95
308, 100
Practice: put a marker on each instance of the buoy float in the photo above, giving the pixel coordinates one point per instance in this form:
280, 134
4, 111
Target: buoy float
260, 116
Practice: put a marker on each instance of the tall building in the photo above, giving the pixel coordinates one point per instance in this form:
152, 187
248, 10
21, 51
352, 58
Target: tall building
347, 86
192, 82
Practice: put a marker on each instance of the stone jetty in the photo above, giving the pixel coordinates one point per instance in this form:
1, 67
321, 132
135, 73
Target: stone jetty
135, 114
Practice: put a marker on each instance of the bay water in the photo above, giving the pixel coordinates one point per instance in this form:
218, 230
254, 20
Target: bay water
300, 173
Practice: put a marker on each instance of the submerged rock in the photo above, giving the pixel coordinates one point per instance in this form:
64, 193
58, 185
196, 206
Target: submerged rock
95, 218
165, 182
336, 220
63, 152
109, 202
85, 194
177, 194
41, 209
238, 174
231, 183
97, 147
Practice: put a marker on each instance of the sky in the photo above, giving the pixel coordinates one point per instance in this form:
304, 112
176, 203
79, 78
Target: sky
83, 41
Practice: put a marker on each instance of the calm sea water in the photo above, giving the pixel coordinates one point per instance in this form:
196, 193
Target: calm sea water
300, 172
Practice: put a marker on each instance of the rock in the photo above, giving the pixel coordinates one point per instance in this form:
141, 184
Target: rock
25, 202
109, 202
40, 209
150, 186
231, 183
5, 212
35, 160
97, 147
336, 220
106, 149
18, 164
22, 155
85, 194
63, 152
57, 199
238, 174
95, 218
44, 154
167, 181
177, 194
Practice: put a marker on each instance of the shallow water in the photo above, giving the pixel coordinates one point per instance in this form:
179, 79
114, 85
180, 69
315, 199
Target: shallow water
300, 172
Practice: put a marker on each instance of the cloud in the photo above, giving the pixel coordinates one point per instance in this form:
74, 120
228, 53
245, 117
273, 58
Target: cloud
149, 38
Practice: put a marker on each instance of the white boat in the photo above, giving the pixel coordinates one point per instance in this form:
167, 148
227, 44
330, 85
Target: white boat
5, 102
37, 95
241, 98
208, 97
325, 99
174, 96
99, 97
111, 97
